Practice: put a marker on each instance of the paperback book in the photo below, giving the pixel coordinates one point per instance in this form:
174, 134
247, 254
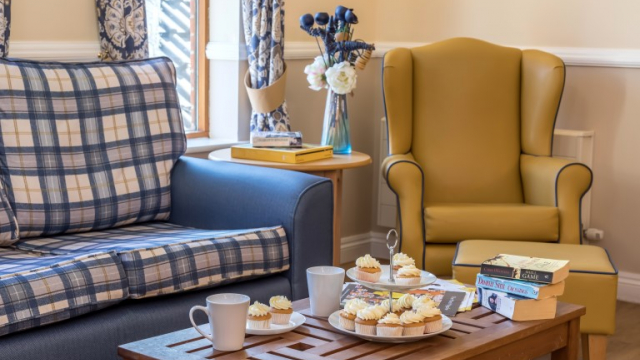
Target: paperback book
283, 155
517, 308
526, 289
540, 270
291, 139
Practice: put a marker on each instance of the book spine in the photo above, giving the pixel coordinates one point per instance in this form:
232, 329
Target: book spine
508, 286
495, 270
276, 142
544, 277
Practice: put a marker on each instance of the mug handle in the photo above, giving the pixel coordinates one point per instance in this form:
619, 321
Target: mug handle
204, 309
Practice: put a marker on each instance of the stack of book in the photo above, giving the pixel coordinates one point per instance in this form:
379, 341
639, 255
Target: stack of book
282, 147
522, 288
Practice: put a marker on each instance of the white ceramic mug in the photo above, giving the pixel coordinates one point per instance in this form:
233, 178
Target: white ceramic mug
227, 319
325, 287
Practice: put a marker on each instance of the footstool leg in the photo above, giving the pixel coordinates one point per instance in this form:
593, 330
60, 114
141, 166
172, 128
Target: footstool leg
594, 347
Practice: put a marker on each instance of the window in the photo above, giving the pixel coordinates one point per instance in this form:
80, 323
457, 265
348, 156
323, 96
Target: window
177, 29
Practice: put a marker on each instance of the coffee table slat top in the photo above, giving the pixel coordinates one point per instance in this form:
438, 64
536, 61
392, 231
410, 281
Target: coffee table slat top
475, 334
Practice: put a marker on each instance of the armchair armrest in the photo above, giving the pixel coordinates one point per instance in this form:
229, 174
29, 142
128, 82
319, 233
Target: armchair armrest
406, 179
218, 195
557, 182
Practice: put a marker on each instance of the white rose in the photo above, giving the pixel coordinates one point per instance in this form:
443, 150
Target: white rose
341, 77
316, 74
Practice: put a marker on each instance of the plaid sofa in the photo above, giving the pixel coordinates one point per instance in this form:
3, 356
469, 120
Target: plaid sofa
87, 157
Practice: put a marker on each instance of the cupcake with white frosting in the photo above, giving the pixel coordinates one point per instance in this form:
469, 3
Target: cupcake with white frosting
368, 269
389, 325
396, 307
400, 260
259, 316
347, 316
406, 301
432, 318
367, 319
421, 301
408, 275
412, 323
280, 310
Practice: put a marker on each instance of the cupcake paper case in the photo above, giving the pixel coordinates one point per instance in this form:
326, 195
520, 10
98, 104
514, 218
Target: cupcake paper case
281, 310
408, 275
367, 319
432, 318
390, 325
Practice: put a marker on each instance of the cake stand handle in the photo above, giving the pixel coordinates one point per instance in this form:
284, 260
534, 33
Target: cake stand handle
391, 248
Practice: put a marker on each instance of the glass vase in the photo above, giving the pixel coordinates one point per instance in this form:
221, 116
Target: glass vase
335, 129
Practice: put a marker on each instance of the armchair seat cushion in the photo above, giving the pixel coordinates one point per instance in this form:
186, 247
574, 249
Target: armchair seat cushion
453, 222
40, 289
162, 258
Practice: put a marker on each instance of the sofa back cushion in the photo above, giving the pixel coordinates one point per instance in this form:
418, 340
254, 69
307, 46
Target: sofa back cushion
88, 146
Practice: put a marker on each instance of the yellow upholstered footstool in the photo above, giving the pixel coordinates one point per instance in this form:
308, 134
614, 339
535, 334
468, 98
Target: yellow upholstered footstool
592, 281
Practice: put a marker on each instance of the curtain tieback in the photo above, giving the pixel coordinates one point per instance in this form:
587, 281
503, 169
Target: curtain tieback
269, 98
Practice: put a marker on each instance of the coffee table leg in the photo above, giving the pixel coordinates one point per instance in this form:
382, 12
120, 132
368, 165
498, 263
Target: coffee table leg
569, 352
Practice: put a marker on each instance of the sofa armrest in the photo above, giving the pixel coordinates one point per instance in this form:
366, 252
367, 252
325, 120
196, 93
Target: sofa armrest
406, 179
557, 182
218, 195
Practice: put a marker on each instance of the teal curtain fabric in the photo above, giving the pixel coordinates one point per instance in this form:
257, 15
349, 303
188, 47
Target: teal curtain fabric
264, 36
123, 29
5, 26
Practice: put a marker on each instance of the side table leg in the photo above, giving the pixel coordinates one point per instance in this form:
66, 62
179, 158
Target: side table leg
570, 352
336, 178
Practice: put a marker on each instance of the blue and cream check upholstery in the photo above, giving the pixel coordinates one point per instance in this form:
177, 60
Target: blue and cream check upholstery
37, 290
8, 224
163, 258
88, 146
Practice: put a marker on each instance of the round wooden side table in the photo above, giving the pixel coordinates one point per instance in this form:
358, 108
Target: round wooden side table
328, 168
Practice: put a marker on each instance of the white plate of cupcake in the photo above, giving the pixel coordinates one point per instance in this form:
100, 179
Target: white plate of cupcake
276, 318
406, 276
412, 319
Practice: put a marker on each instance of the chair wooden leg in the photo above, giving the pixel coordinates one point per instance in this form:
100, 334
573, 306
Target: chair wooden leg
594, 347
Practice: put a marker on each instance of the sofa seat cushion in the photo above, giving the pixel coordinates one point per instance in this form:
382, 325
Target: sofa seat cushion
88, 146
453, 222
162, 258
38, 289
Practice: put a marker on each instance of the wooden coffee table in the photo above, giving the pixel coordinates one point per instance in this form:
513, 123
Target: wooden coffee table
477, 334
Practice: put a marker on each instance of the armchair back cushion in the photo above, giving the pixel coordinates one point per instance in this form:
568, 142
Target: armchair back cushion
88, 146
466, 121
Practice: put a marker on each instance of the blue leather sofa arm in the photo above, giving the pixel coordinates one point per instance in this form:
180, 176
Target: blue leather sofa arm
218, 195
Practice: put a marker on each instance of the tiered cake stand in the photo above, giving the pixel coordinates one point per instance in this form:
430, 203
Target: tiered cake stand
387, 283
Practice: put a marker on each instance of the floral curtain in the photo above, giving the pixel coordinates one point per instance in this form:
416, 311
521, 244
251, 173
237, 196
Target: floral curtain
264, 36
5, 26
123, 29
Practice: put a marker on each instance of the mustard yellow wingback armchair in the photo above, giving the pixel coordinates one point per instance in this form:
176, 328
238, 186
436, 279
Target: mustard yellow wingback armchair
470, 135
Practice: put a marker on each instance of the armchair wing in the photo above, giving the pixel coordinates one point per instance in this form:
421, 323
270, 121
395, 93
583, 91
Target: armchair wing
218, 195
557, 182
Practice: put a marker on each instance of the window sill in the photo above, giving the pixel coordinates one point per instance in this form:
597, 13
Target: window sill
202, 145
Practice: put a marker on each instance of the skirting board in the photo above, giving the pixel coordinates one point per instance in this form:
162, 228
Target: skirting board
368, 243
629, 287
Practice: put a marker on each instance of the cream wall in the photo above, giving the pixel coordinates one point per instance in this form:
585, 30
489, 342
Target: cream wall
54, 20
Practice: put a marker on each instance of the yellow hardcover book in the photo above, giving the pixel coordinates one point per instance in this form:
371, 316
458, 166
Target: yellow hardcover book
283, 155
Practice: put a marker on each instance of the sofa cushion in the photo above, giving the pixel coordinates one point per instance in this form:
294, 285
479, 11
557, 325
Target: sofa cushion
88, 146
8, 224
163, 258
453, 222
37, 290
